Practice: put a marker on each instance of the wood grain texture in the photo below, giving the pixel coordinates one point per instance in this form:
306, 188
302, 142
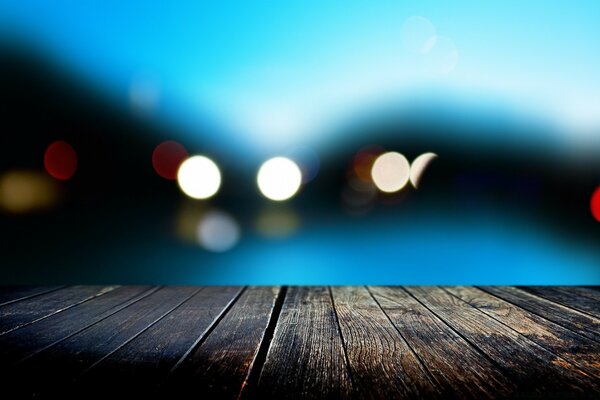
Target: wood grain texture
152, 354
11, 294
577, 349
68, 359
221, 364
381, 362
28, 340
15, 315
531, 366
306, 358
578, 322
460, 370
300, 342
582, 300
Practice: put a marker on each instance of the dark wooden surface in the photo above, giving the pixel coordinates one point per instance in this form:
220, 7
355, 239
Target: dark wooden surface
300, 342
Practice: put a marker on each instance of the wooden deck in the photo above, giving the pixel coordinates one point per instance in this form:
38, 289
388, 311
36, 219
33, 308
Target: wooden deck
301, 342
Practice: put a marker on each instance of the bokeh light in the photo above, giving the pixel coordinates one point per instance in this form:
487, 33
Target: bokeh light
308, 161
279, 178
443, 57
144, 94
595, 204
390, 172
60, 160
218, 231
418, 35
363, 161
358, 196
167, 157
26, 191
277, 222
199, 177
418, 167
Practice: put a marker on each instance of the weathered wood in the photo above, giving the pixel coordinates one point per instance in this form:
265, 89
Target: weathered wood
459, 368
15, 315
222, 363
522, 358
145, 361
311, 342
306, 358
381, 363
30, 339
12, 294
581, 323
579, 350
574, 299
66, 360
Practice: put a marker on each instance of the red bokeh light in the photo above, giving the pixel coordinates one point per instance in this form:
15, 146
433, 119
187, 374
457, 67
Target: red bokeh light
167, 157
60, 160
595, 204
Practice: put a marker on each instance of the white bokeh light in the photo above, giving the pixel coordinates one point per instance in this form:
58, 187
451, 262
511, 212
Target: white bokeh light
199, 177
218, 232
390, 172
279, 178
418, 35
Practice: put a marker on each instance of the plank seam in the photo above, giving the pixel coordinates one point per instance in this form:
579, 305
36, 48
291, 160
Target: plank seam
253, 377
558, 302
503, 370
116, 309
141, 331
575, 366
344, 346
202, 338
539, 315
59, 310
32, 296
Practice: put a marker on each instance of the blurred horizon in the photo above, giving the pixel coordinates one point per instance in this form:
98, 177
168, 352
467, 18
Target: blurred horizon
515, 127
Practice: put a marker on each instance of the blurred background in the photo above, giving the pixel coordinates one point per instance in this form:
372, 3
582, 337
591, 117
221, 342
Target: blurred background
397, 142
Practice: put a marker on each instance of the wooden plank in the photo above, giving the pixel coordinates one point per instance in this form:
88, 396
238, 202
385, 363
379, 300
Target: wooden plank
579, 350
460, 370
30, 339
222, 363
569, 297
581, 323
306, 358
145, 361
65, 361
520, 357
15, 315
12, 294
381, 362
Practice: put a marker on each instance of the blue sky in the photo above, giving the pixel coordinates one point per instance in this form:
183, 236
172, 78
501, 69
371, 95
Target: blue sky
276, 73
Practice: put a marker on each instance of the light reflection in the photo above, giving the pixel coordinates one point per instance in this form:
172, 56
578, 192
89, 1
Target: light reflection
218, 231
26, 191
277, 222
